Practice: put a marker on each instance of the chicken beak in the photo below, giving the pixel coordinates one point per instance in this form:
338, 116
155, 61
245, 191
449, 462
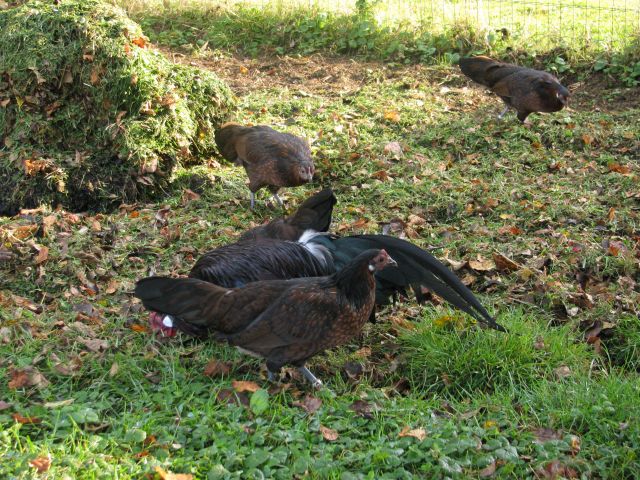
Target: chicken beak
391, 262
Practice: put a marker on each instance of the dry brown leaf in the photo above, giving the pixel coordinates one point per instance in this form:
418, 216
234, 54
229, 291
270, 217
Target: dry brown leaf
94, 77
543, 435
392, 116
137, 327
94, 344
25, 420
419, 433
394, 150
25, 231
575, 444
189, 196
328, 434
562, 372
587, 139
216, 368
381, 175
621, 169
361, 222
113, 371
364, 352
42, 255
166, 475
27, 377
482, 264
488, 471
309, 403
4, 405
362, 408
245, 386
140, 42
41, 464
504, 264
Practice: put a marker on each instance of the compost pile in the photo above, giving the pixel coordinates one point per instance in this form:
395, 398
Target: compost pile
90, 115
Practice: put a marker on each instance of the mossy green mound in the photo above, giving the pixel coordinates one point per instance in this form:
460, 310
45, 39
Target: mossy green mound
90, 116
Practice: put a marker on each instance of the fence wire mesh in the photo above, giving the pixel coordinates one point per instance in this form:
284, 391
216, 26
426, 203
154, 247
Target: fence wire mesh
600, 24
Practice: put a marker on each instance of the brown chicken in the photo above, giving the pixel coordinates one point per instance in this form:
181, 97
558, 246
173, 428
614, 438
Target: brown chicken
271, 159
286, 322
523, 89
312, 214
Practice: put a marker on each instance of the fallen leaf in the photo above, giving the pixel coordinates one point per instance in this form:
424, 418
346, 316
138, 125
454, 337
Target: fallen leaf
488, 471
166, 475
113, 371
25, 420
245, 386
140, 42
59, 403
27, 377
362, 408
587, 139
136, 327
41, 464
216, 368
504, 264
617, 168
25, 231
575, 444
42, 256
419, 433
562, 372
482, 264
392, 116
244, 70
189, 196
4, 405
394, 149
328, 434
309, 403
381, 175
94, 344
364, 352
543, 435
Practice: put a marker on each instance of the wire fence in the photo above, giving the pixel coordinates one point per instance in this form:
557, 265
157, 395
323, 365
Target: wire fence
599, 24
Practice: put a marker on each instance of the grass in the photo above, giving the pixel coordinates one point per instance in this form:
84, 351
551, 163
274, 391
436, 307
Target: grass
90, 116
582, 36
432, 397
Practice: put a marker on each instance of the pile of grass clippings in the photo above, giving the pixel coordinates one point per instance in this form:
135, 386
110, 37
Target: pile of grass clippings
90, 116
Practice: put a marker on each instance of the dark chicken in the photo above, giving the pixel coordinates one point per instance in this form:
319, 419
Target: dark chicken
271, 159
524, 89
286, 322
323, 254
313, 214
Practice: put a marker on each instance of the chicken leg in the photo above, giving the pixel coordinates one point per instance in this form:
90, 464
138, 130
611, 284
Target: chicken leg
315, 381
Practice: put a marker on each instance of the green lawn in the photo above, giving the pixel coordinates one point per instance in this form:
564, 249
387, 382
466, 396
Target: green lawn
532, 25
422, 393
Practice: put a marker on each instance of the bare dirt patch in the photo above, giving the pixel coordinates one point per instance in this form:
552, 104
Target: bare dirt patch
334, 76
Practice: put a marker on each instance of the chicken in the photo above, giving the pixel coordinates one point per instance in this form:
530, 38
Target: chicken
523, 89
314, 213
317, 253
285, 322
270, 158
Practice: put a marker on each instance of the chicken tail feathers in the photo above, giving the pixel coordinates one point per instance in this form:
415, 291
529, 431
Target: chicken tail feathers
184, 299
486, 71
315, 212
416, 269
226, 137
